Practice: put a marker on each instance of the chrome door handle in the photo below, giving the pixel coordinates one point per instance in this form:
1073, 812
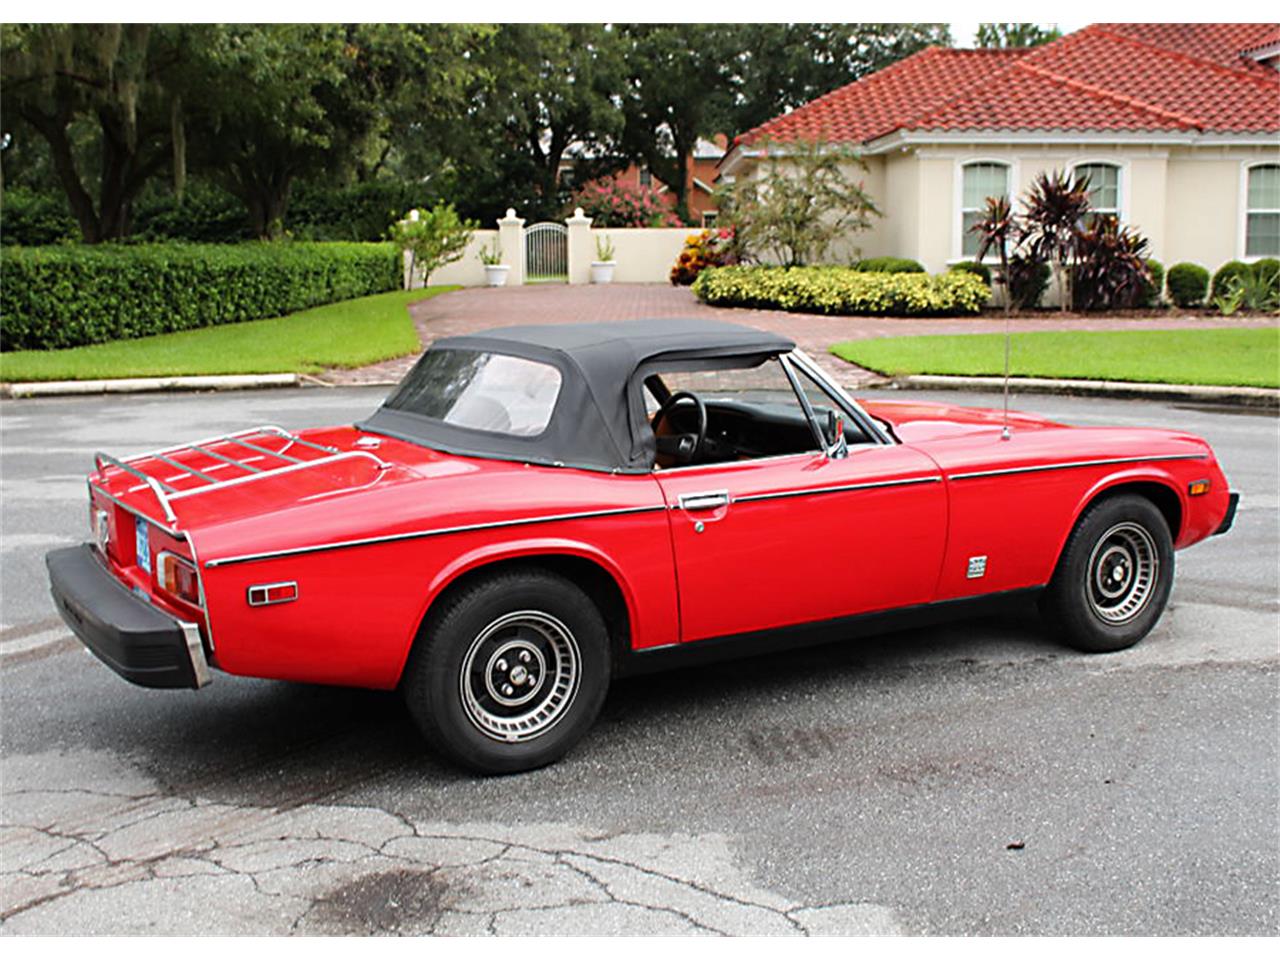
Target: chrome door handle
709, 500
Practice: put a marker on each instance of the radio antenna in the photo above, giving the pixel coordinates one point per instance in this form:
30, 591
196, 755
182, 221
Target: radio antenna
1004, 430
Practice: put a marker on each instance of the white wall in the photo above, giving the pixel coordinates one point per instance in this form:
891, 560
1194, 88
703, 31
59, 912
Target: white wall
644, 254
1188, 202
467, 272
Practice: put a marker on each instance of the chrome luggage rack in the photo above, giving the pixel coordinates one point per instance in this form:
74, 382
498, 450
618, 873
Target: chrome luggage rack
254, 466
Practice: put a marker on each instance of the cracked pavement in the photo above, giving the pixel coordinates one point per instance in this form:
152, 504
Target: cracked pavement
967, 779
119, 857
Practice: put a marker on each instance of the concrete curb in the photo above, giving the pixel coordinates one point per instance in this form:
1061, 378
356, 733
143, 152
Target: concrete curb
1234, 396
72, 388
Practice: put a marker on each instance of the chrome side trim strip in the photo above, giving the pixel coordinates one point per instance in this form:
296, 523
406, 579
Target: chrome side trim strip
422, 534
843, 488
1073, 464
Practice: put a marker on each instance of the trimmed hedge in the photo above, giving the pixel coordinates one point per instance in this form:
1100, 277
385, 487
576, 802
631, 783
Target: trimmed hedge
1266, 269
977, 269
1228, 272
1187, 284
70, 296
1151, 289
842, 290
889, 265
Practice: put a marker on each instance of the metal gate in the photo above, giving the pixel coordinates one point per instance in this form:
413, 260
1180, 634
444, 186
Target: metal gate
546, 253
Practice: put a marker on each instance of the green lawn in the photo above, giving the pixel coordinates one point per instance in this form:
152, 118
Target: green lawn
347, 334
1249, 357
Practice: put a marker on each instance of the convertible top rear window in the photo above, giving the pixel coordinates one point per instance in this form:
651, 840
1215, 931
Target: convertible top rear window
492, 392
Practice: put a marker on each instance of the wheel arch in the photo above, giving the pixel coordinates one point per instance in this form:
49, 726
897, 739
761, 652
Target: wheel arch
1162, 491
579, 563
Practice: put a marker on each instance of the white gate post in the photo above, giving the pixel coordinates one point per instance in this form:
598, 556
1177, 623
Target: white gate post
581, 251
511, 240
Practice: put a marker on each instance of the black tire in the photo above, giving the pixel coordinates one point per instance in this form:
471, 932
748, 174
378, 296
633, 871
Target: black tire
521, 633
1114, 576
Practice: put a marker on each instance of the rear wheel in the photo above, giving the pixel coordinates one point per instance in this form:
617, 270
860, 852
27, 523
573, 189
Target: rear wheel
510, 672
1114, 576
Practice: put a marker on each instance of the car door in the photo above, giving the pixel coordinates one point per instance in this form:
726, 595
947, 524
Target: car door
777, 540
795, 539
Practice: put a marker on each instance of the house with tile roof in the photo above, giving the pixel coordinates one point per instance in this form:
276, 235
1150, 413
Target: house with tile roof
1177, 127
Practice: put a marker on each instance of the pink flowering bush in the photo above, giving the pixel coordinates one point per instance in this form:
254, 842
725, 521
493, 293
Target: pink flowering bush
611, 204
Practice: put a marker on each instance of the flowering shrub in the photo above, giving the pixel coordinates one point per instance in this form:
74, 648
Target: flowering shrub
710, 248
611, 204
842, 290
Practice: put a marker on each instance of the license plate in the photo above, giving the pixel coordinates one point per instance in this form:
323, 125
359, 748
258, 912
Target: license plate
142, 545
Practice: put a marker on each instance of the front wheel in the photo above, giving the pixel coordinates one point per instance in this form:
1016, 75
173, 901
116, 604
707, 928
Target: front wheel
1113, 578
510, 672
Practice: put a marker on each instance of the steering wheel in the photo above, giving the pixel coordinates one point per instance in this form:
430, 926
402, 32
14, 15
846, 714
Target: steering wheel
683, 447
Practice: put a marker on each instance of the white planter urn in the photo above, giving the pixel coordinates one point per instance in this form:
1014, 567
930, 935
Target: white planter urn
495, 274
602, 271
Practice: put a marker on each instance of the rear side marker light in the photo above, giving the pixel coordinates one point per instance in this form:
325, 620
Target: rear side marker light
177, 577
265, 594
1198, 488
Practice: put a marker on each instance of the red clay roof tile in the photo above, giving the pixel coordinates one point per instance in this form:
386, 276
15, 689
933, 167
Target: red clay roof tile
1112, 77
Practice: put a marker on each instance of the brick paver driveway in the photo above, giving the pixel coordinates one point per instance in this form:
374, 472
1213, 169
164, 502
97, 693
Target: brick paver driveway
480, 308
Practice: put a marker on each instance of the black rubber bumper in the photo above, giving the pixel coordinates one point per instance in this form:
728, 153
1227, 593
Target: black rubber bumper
1230, 518
144, 645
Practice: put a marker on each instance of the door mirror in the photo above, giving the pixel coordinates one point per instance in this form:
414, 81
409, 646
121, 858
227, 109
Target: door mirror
833, 434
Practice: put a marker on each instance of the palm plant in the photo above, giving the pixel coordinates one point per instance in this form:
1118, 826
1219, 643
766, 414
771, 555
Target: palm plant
996, 228
1111, 266
1056, 208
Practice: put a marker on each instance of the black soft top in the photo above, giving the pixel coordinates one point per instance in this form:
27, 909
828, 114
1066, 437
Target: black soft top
598, 422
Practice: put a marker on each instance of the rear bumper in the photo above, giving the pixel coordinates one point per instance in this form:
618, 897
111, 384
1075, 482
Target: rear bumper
1230, 518
143, 644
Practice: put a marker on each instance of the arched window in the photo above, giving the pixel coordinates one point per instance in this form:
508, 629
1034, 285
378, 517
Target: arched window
979, 180
1104, 187
1262, 212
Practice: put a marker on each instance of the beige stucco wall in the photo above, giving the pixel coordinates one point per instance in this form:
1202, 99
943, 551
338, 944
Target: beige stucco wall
467, 271
1187, 201
644, 255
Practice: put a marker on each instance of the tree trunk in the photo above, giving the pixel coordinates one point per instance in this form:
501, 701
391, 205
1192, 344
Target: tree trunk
54, 131
265, 195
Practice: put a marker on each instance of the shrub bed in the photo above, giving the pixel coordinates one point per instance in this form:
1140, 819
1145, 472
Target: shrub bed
889, 265
1187, 284
1228, 273
843, 290
71, 296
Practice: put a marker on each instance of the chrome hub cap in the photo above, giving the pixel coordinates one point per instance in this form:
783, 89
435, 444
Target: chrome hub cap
520, 676
1122, 573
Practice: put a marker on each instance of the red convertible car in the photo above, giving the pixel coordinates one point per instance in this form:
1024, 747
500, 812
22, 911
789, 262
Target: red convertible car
536, 510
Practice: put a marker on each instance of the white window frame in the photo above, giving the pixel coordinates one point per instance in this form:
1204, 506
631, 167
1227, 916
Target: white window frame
1122, 180
957, 206
1242, 233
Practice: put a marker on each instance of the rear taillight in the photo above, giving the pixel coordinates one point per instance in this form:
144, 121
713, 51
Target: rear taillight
177, 577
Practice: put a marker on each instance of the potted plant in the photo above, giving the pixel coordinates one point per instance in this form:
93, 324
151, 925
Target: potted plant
602, 266
495, 271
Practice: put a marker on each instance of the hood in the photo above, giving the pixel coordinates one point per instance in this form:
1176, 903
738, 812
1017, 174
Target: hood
913, 422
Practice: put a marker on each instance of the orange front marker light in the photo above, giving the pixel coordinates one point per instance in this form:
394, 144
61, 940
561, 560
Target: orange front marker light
1198, 488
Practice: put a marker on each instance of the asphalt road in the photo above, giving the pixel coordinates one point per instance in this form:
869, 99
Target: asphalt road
975, 779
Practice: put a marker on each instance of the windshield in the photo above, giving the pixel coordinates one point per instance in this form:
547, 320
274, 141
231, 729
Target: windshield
492, 392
